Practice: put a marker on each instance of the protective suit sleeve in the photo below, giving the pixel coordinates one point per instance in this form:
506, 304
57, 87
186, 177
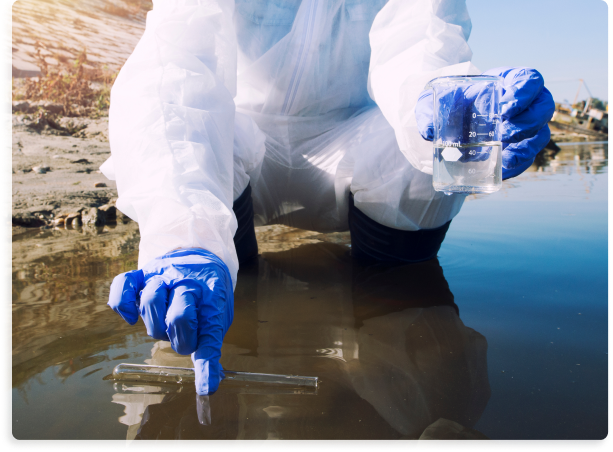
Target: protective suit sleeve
413, 42
171, 127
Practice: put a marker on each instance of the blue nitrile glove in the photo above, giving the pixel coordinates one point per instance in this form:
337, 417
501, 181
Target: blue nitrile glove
185, 297
526, 108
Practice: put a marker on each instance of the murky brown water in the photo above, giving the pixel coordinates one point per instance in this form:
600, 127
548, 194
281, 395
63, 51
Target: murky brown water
391, 352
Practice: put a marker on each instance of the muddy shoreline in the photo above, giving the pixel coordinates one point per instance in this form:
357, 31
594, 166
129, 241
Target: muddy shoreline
56, 174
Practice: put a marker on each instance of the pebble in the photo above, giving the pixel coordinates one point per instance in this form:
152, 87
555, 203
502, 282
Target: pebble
99, 184
94, 217
41, 169
73, 219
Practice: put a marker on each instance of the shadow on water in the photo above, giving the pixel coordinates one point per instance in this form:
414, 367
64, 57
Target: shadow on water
393, 357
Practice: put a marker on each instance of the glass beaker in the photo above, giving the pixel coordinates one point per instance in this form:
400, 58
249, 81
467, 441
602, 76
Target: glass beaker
467, 146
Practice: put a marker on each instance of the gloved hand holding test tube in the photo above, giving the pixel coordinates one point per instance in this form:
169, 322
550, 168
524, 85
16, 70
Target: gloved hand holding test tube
185, 297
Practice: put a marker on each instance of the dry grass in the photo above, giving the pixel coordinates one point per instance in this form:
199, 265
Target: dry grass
82, 92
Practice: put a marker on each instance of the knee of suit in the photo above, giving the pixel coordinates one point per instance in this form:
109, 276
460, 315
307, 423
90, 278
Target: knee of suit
373, 241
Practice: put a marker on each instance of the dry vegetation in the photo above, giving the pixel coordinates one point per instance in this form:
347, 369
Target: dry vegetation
76, 86
80, 91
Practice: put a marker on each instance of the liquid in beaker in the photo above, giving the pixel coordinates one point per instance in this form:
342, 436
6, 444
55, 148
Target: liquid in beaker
469, 168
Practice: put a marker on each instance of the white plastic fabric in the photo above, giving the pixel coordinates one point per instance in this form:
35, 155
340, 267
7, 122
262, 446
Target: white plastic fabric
211, 80
171, 127
413, 42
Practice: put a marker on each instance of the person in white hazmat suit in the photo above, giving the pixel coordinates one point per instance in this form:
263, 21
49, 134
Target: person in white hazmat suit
231, 113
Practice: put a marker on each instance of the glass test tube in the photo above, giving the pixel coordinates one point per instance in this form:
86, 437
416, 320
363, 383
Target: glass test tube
167, 374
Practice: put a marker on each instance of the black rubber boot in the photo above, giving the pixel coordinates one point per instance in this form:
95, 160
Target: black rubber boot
375, 242
244, 240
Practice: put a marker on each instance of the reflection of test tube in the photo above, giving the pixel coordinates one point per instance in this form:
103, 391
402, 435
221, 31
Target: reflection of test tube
166, 374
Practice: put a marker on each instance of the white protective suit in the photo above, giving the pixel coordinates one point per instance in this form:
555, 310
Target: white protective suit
305, 99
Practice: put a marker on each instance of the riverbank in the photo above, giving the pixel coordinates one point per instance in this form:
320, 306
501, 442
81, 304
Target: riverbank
56, 171
566, 136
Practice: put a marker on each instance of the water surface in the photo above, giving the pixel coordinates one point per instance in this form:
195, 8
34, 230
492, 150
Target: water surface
505, 333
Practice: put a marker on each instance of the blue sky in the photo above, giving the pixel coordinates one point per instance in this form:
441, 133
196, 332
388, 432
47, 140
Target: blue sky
562, 39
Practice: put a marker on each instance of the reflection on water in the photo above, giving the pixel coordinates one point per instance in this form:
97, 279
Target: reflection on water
572, 157
59, 281
391, 360
388, 343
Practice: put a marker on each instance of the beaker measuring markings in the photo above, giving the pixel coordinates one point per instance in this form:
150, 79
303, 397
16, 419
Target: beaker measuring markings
467, 148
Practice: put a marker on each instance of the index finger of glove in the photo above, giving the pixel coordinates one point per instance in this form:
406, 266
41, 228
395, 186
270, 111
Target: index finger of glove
521, 87
124, 295
215, 315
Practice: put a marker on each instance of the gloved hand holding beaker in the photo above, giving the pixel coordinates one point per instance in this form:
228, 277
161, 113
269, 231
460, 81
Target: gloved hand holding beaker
526, 107
186, 297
